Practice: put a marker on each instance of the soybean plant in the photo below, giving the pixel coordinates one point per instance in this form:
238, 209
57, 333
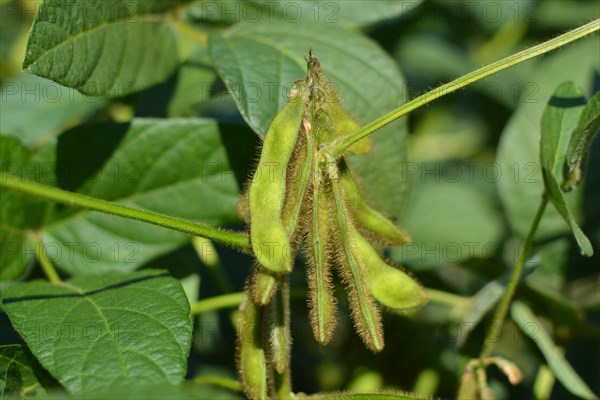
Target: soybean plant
302, 197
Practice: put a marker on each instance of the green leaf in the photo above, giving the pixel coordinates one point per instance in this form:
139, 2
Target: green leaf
259, 62
110, 47
15, 249
587, 128
36, 110
19, 373
521, 184
532, 327
195, 78
184, 391
175, 167
339, 12
94, 332
558, 123
443, 230
559, 119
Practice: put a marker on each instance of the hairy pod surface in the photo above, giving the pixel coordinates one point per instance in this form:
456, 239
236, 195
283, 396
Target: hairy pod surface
277, 327
322, 304
299, 177
389, 286
263, 285
332, 120
367, 217
268, 235
365, 313
243, 206
251, 360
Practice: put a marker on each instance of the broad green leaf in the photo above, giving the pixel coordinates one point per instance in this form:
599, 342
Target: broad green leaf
551, 14
587, 128
334, 12
176, 167
185, 391
15, 249
521, 184
194, 82
493, 15
19, 373
532, 327
94, 332
443, 230
36, 110
259, 63
109, 47
338, 12
559, 120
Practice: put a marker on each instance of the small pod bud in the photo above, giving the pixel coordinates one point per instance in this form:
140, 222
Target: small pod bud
251, 359
389, 286
268, 235
367, 217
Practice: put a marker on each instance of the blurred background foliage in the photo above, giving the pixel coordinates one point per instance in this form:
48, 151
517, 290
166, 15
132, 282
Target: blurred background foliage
474, 186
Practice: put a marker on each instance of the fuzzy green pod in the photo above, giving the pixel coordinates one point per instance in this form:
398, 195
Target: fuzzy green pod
268, 235
322, 304
365, 312
299, 176
243, 206
389, 286
332, 120
277, 327
367, 217
251, 358
263, 285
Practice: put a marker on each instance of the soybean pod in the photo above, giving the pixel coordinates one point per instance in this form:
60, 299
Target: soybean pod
367, 217
389, 286
333, 120
251, 358
299, 176
277, 329
264, 285
322, 304
268, 235
365, 313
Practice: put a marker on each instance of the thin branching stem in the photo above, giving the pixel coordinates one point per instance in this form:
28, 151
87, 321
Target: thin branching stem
233, 239
339, 147
492, 334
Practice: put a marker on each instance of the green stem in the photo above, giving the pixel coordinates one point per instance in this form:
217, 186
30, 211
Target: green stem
229, 300
491, 336
42, 257
220, 381
237, 240
441, 297
340, 146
